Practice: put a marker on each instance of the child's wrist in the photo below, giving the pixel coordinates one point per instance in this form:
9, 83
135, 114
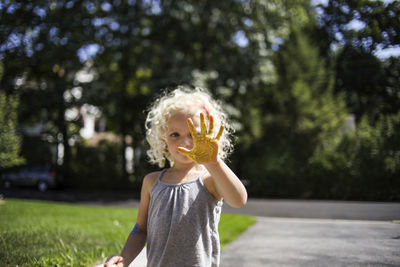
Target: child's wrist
212, 163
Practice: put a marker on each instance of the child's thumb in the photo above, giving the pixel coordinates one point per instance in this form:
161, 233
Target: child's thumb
184, 151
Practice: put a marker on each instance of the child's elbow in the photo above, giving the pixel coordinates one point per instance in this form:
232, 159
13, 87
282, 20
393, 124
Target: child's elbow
239, 202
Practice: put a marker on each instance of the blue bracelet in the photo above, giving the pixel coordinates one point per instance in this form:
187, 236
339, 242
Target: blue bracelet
135, 229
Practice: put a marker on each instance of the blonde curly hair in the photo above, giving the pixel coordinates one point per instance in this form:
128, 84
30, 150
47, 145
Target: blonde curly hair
191, 101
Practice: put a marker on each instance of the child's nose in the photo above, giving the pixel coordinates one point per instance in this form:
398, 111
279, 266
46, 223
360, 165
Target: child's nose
187, 141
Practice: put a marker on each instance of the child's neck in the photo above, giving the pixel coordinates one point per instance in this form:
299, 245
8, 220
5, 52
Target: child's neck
181, 173
186, 167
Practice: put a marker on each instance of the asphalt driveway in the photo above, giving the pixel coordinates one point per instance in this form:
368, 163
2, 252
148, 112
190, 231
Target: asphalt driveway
315, 242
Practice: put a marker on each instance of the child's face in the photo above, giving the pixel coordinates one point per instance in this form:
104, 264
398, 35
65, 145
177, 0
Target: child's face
178, 135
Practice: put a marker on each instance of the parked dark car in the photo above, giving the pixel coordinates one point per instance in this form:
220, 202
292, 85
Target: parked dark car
40, 177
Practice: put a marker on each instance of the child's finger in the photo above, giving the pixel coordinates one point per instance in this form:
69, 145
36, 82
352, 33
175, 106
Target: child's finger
191, 128
211, 129
221, 130
115, 260
203, 125
186, 152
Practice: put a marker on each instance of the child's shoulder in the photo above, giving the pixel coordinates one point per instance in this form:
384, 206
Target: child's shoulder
152, 176
150, 179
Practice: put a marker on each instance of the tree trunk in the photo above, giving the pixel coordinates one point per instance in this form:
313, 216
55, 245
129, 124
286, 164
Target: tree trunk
63, 129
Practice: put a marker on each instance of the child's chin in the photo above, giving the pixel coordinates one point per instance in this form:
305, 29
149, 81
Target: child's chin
188, 160
185, 159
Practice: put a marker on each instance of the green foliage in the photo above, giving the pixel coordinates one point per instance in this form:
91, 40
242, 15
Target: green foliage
360, 29
9, 141
377, 159
365, 165
34, 233
367, 83
36, 151
380, 25
40, 45
270, 62
305, 122
96, 166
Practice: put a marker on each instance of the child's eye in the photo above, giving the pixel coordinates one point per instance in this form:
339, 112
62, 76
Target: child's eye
174, 135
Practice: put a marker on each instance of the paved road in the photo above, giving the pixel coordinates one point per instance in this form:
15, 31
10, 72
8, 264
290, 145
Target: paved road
317, 233
315, 242
347, 210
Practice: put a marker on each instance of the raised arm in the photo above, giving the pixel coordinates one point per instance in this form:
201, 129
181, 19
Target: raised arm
205, 151
227, 184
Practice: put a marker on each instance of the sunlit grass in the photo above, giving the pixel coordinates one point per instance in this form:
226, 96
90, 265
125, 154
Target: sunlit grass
231, 226
37, 233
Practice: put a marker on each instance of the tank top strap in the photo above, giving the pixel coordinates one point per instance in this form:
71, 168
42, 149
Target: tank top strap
161, 174
200, 178
204, 172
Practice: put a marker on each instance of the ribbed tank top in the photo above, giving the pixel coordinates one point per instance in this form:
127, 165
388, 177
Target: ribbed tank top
182, 225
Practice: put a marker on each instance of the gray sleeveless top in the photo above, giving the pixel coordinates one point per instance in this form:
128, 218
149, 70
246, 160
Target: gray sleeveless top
182, 225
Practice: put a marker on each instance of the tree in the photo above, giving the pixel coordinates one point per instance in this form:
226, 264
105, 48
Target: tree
141, 46
358, 30
40, 45
362, 77
362, 23
9, 141
182, 42
301, 118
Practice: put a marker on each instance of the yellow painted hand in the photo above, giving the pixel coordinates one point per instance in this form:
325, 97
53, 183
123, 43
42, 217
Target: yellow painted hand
205, 147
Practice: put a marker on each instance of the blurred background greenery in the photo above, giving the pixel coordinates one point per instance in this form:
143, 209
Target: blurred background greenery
312, 87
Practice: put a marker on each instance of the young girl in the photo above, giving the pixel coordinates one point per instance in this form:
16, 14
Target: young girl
180, 206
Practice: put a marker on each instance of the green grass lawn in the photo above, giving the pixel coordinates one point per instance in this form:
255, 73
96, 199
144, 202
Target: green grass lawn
38, 233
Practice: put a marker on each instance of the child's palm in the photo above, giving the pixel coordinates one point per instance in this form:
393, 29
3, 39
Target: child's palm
205, 147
